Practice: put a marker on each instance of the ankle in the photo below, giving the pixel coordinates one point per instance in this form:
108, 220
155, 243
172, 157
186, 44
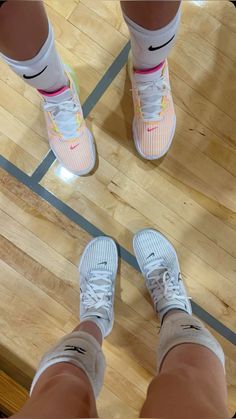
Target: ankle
89, 326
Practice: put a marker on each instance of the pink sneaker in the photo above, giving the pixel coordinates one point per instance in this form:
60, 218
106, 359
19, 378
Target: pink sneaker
69, 138
154, 115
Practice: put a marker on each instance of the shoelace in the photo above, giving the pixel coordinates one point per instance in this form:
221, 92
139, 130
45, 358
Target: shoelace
161, 282
65, 117
98, 295
151, 95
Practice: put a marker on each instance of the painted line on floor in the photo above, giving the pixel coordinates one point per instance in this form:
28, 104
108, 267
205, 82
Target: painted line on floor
88, 105
94, 231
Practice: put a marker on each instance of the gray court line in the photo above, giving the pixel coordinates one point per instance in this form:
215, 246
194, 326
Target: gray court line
88, 105
94, 231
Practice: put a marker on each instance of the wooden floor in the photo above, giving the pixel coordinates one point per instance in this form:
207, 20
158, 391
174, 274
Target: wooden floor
190, 195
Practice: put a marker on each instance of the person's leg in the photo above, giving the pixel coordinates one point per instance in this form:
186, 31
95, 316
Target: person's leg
30, 24
70, 375
64, 390
191, 377
153, 27
190, 383
151, 15
27, 45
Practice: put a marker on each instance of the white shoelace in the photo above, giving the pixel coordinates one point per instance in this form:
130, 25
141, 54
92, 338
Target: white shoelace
98, 295
151, 94
162, 283
65, 117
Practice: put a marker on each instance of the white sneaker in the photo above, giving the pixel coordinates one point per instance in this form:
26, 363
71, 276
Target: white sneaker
69, 138
154, 115
159, 265
98, 269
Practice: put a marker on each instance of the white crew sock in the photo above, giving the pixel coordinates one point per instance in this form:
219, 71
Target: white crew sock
181, 328
45, 71
150, 48
80, 349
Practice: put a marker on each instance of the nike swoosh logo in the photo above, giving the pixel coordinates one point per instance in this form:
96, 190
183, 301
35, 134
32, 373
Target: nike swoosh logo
103, 263
151, 129
35, 75
151, 48
72, 147
151, 254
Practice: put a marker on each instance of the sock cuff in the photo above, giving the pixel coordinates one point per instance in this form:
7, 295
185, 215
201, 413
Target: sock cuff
80, 349
96, 321
183, 328
173, 24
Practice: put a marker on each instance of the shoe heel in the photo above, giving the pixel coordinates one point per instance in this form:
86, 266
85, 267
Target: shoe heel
73, 75
130, 64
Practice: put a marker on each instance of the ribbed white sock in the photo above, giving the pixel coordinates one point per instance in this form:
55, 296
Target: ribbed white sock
150, 48
79, 349
183, 328
45, 71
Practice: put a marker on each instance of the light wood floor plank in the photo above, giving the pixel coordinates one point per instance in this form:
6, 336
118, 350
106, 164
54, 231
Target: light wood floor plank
90, 23
65, 8
110, 11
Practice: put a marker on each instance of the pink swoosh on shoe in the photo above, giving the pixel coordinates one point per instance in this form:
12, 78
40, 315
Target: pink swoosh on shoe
72, 147
151, 129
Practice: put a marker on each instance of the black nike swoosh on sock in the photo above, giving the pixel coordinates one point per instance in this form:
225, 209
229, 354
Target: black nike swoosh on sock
35, 75
151, 48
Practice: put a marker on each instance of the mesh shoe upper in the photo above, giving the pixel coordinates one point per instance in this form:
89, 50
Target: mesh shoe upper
69, 138
154, 115
159, 264
98, 270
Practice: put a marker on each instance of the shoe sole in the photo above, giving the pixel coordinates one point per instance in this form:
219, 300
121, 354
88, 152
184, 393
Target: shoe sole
116, 269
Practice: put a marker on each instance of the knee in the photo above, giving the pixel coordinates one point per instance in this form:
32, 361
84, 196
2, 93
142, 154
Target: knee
179, 378
64, 378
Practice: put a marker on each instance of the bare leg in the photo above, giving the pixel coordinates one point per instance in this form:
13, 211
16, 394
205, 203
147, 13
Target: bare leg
23, 29
191, 378
63, 390
151, 15
71, 373
191, 384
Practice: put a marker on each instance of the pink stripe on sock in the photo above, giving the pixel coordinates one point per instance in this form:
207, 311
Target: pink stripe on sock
150, 70
50, 94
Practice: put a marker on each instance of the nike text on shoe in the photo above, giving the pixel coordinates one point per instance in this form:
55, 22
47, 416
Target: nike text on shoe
159, 265
154, 115
69, 138
98, 270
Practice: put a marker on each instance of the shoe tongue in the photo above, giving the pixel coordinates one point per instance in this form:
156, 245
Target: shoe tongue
59, 96
157, 270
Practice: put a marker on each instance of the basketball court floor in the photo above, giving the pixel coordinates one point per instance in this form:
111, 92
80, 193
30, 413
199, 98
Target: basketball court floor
48, 215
